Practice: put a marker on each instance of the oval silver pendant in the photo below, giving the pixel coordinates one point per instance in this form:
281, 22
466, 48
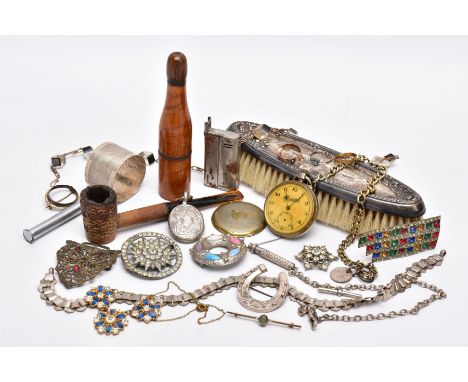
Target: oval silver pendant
341, 274
186, 223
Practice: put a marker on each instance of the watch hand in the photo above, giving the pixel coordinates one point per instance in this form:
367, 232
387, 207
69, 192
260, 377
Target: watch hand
288, 207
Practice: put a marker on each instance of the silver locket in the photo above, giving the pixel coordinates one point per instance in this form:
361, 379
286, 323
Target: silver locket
186, 223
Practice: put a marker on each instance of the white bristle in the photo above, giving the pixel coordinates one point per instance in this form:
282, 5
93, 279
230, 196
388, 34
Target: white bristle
333, 211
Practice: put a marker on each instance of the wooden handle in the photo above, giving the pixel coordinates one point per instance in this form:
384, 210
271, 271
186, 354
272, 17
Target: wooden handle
175, 133
176, 69
161, 211
149, 214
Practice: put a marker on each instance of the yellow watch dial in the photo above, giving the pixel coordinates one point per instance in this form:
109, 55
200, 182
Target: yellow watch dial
290, 208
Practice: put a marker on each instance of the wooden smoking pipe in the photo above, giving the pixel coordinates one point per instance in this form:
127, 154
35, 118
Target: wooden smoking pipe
101, 220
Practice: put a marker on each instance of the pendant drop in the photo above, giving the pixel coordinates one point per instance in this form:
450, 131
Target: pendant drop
186, 222
341, 274
367, 275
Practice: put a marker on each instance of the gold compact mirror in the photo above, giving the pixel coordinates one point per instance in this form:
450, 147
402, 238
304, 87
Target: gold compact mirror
238, 219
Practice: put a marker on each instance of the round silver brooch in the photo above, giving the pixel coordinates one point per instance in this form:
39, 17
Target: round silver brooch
186, 223
151, 255
204, 253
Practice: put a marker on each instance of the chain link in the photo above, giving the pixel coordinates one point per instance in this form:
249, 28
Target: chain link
367, 272
439, 294
315, 284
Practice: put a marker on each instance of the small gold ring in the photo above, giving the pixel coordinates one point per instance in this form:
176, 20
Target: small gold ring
346, 158
56, 204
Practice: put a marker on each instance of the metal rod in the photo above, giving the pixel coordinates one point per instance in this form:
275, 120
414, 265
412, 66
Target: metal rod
259, 291
339, 292
31, 234
291, 325
288, 324
241, 315
270, 241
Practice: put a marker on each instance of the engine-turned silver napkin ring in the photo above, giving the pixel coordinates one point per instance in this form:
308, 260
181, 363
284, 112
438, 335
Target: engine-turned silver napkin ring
118, 168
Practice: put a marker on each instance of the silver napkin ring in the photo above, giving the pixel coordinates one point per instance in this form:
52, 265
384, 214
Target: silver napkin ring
116, 167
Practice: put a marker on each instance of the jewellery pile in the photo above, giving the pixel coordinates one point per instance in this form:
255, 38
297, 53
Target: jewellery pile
302, 182
147, 308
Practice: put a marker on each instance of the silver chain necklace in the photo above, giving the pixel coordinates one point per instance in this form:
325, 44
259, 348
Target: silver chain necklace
307, 304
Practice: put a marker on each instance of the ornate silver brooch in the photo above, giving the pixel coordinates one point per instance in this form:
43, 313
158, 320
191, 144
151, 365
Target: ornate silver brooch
315, 257
202, 252
151, 255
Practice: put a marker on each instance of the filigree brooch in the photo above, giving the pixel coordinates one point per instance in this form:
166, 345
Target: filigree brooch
78, 263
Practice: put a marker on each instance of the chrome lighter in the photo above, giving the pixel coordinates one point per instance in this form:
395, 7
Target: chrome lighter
222, 156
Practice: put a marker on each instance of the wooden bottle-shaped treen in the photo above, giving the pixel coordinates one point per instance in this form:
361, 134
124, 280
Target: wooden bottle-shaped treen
175, 132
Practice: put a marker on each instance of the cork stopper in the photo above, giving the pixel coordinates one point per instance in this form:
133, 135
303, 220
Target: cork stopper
176, 69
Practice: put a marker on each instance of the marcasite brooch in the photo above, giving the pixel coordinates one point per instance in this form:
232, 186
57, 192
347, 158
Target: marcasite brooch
315, 257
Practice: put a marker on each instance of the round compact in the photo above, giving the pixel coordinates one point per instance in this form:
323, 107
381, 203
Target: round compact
151, 255
239, 219
186, 223
234, 250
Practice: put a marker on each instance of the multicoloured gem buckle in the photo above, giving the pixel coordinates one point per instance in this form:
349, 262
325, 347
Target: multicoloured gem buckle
400, 241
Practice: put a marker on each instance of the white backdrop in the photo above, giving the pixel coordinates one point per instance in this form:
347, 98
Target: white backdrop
371, 95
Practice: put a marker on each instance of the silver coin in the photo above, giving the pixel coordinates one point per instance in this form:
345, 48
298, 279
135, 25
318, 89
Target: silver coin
186, 223
341, 274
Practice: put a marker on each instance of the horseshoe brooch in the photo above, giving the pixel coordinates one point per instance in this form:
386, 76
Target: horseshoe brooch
250, 303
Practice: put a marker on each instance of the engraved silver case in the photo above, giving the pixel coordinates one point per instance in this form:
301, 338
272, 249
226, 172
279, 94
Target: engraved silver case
186, 223
222, 158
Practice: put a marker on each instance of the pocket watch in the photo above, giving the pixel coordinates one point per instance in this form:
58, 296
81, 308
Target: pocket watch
290, 208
